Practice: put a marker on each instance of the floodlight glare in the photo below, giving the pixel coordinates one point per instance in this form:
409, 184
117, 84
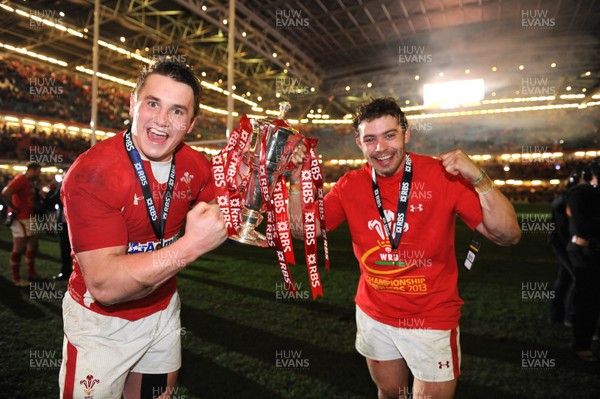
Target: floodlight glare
453, 94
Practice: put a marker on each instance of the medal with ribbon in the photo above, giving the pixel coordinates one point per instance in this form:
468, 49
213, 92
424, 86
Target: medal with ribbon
157, 221
403, 197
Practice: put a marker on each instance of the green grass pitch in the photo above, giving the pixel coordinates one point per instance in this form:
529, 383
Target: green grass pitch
242, 338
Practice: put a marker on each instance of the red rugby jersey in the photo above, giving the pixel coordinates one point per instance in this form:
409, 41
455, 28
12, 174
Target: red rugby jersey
23, 196
104, 207
416, 285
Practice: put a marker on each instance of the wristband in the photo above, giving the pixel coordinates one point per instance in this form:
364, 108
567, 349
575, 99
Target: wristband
294, 181
294, 192
479, 178
484, 192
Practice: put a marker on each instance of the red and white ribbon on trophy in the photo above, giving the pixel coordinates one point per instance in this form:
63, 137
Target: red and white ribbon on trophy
312, 176
224, 167
242, 194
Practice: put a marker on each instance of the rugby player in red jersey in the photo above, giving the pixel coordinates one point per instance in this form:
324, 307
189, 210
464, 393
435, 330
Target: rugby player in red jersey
126, 200
401, 209
19, 195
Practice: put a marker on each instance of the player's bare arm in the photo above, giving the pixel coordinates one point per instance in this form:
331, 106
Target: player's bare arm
500, 223
112, 276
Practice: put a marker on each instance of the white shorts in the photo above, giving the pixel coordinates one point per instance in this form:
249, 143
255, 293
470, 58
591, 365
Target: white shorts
431, 355
99, 351
23, 228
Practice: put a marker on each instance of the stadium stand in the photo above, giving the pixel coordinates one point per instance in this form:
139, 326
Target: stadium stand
38, 91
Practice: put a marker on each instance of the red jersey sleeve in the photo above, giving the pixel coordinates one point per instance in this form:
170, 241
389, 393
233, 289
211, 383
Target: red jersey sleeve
334, 210
22, 196
207, 192
95, 221
18, 183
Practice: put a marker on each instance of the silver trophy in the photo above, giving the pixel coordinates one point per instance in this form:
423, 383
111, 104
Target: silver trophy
280, 144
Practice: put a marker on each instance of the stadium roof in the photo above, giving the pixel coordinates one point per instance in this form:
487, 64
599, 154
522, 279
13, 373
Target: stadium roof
331, 55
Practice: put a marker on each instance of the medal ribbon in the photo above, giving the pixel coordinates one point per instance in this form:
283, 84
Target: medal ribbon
402, 203
158, 223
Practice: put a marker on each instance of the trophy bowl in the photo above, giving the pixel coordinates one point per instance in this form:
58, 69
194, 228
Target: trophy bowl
279, 140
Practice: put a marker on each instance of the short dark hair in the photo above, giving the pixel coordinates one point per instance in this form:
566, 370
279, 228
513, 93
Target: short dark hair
33, 165
175, 70
378, 107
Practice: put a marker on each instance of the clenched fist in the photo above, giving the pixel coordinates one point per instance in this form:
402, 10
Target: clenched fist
206, 226
458, 162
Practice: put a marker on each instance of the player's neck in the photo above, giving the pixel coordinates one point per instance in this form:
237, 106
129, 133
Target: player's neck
145, 158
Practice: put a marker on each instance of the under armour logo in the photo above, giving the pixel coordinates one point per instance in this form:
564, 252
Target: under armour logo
447, 364
418, 208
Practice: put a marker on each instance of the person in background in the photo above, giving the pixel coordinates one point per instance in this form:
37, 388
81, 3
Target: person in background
54, 204
561, 307
21, 196
583, 209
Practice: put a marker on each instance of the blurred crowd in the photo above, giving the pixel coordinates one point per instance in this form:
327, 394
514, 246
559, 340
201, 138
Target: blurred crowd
516, 193
32, 89
562, 130
16, 143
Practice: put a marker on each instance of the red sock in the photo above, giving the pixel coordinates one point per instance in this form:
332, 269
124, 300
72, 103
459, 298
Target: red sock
15, 266
30, 262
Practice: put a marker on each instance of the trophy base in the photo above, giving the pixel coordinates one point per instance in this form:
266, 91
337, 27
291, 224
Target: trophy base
253, 238
246, 233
